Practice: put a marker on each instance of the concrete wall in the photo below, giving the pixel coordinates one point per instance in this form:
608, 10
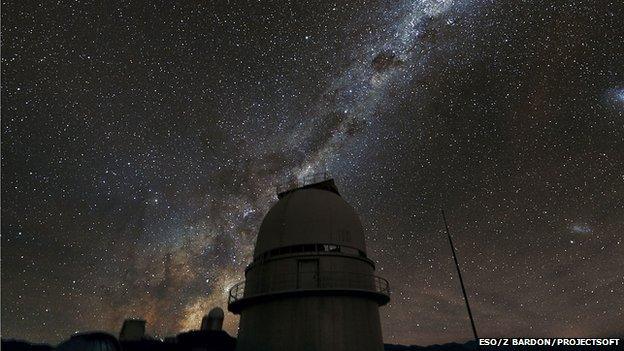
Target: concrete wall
311, 323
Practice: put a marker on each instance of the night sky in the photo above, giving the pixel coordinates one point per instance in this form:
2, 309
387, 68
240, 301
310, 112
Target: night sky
141, 147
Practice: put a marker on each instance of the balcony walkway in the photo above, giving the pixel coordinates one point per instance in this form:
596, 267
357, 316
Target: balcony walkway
324, 283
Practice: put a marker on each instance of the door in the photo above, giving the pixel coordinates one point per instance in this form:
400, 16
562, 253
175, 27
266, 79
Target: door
307, 277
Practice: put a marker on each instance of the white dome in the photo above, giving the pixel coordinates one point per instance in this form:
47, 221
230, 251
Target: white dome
310, 215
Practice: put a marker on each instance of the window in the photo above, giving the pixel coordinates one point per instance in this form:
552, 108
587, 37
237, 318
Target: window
331, 248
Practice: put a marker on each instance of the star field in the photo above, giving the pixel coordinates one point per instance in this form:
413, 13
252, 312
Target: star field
142, 144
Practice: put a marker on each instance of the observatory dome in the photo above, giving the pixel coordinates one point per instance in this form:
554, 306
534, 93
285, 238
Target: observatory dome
314, 214
96, 341
213, 320
216, 313
311, 285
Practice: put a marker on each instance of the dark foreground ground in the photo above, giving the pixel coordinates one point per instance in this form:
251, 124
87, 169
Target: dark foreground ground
220, 341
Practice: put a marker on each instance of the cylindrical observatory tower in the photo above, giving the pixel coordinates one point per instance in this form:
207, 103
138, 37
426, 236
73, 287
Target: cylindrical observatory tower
310, 285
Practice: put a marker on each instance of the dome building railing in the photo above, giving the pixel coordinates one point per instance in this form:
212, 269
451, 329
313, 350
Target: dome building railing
310, 281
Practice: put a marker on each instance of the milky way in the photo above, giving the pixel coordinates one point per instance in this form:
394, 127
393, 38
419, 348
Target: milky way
142, 145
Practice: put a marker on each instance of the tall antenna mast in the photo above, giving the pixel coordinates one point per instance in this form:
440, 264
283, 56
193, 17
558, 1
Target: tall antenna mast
461, 281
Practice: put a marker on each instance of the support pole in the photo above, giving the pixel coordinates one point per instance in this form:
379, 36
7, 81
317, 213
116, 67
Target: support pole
461, 281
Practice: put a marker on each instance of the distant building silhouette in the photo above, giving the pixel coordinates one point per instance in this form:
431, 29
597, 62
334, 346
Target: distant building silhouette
310, 285
94, 341
132, 330
213, 320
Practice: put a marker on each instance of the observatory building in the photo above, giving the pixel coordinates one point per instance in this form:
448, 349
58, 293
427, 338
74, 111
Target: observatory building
310, 285
132, 330
95, 341
213, 320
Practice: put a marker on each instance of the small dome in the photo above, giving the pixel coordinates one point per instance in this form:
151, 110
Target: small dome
213, 320
310, 215
96, 341
216, 313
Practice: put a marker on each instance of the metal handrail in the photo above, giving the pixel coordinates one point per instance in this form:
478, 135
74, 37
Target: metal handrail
296, 182
309, 281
